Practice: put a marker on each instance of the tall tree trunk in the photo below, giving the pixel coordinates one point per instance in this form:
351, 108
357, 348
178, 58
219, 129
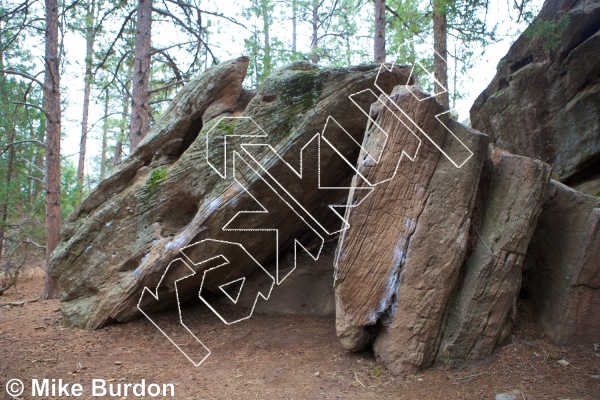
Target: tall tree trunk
118, 153
40, 156
379, 49
124, 117
440, 38
255, 50
348, 51
455, 83
264, 8
9, 173
10, 170
7, 180
4, 205
140, 113
104, 137
90, 36
1, 45
52, 108
314, 44
294, 27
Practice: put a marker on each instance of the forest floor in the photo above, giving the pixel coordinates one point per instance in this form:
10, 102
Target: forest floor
270, 357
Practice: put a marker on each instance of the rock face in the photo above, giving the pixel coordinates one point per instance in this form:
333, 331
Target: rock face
545, 103
510, 194
307, 291
430, 267
545, 99
206, 181
399, 261
563, 266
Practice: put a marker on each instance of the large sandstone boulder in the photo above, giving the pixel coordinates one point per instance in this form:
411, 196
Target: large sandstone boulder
399, 261
563, 266
430, 267
484, 307
198, 182
544, 101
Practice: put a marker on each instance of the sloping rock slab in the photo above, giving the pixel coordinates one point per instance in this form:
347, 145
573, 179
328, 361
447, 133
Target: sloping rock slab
165, 196
563, 266
544, 102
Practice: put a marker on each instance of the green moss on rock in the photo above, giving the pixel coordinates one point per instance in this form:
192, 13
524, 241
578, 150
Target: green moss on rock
156, 177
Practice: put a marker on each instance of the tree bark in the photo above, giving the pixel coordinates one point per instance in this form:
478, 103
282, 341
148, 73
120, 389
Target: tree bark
140, 113
104, 137
90, 36
264, 5
118, 155
379, 49
455, 79
4, 206
9, 173
53, 116
40, 157
86, 94
314, 44
294, 27
440, 39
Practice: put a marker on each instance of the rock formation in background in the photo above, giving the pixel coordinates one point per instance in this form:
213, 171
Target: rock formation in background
545, 103
563, 266
545, 99
431, 264
165, 196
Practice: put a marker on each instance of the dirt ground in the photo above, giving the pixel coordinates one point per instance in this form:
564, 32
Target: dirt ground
270, 357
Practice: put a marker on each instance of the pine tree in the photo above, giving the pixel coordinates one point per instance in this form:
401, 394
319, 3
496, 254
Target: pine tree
89, 30
440, 47
53, 124
140, 114
380, 22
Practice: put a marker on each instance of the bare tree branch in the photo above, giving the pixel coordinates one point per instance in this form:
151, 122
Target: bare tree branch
116, 71
35, 141
160, 101
172, 64
179, 82
15, 10
182, 24
22, 103
215, 14
155, 51
108, 13
24, 75
35, 178
70, 6
112, 45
